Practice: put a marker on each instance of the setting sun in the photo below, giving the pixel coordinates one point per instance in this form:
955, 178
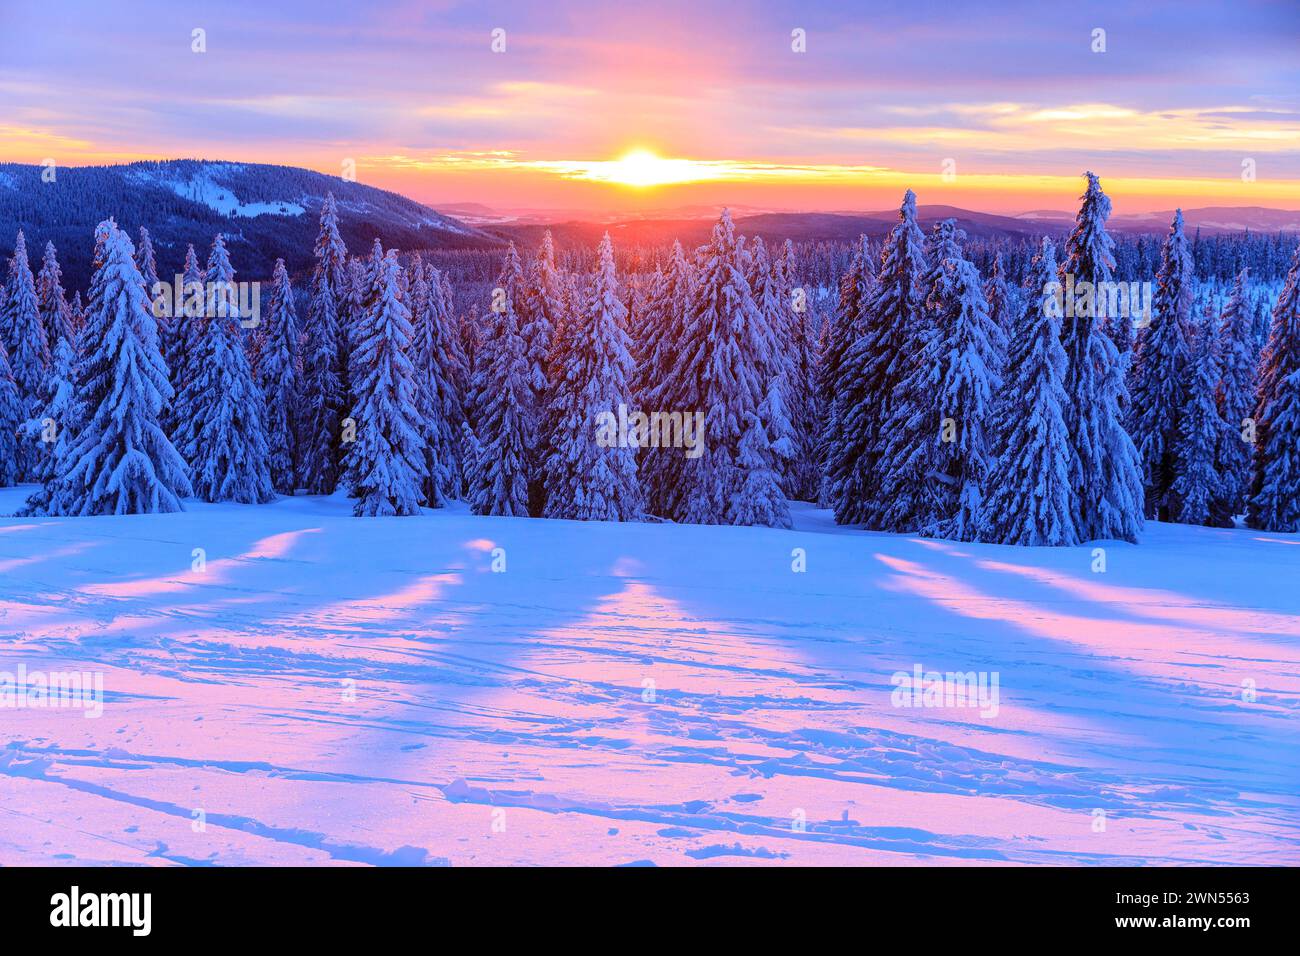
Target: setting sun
641, 168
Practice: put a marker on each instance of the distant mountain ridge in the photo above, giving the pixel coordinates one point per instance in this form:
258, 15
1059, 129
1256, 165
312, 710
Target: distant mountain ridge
265, 212
1213, 220
270, 211
771, 226
846, 226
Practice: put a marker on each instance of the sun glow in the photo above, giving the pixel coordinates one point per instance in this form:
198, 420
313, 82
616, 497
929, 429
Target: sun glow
641, 172
642, 168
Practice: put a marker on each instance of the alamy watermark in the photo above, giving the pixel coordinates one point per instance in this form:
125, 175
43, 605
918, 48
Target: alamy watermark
1087, 300
75, 908
638, 429
209, 300
79, 690
922, 688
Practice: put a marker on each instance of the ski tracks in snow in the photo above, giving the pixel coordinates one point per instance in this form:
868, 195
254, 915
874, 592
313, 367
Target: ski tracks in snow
336, 690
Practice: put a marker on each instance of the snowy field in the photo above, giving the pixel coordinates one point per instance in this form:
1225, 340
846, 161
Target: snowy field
340, 690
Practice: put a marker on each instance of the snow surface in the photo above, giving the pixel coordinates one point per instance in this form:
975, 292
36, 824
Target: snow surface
504, 718
204, 190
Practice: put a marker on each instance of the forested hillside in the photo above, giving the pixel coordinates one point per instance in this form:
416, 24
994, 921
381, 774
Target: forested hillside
264, 211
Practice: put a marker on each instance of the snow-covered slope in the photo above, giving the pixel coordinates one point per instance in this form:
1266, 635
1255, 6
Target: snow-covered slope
202, 189
264, 211
334, 689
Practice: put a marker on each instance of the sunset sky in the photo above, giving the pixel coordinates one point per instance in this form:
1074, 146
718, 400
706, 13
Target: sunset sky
885, 93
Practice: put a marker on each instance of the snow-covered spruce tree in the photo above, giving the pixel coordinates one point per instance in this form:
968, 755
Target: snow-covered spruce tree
1105, 471
366, 277
802, 479
510, 284
94, 293
57, 327
19, 295
970, 349
540, 309
1029, 499
775, 357
120, 461
353, 302
147, 263
279, 377
12, 416
321, 396
455, 359
497, 477
386, 463
1201, 432
330, 250
50, 430
103, 232
77, 314
56, 314
590, 477
332, 272
660, 383
471, 454
939, 435
513, 284
221, 427
641, 291
545, 307
726, 350
420, 305
29, 353
824, 401
1119, 510
375, 276
761, 500
181, 338
857, 287
893, 332
1119, 328
1263, 321
469, 329
1159, 373
437, 359
1235, 400
998, 296
643, 321
220, 277
663, 323
910, 491
758, 273
1275, 486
